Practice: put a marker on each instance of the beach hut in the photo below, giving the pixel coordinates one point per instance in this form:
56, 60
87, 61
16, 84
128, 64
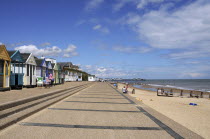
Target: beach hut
66, 66
41, 68
49, 68
16, 75
91, 78
74, 73
5, 62
61, 74
29, 70
55, 69
79, 76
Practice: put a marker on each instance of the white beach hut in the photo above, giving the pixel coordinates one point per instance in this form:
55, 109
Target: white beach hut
29, 70
91, 78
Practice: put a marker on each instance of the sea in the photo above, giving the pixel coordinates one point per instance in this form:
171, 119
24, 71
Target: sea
186, 84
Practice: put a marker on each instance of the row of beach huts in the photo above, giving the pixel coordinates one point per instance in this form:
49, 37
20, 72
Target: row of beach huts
18, 70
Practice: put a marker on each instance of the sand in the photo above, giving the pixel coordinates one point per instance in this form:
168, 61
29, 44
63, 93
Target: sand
195, 118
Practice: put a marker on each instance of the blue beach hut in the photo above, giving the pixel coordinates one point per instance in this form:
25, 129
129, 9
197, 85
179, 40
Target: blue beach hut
16, 76
41, 68
49, 68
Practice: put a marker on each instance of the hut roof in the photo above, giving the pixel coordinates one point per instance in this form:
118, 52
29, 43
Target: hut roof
25, 56
65, 64
11, 53
39, 61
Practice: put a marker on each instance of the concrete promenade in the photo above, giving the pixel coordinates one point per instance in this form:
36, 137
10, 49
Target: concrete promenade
97, 112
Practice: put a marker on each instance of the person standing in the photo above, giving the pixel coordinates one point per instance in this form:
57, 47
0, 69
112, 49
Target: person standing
51, 78
124, 90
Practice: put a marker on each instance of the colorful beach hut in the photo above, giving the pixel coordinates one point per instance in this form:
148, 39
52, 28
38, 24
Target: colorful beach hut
66, 66
49, 68
16, 75
61, 74
75, 73
55, 73
4, 69
29, 70
41, 68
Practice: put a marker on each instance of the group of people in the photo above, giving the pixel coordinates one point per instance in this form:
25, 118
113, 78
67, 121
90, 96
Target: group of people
50, 79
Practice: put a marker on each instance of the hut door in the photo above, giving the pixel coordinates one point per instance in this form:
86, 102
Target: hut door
31, 71
1, 73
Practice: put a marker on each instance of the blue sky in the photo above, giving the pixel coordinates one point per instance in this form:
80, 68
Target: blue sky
152, 39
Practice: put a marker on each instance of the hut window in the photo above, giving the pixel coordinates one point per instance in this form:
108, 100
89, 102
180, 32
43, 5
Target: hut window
1, 66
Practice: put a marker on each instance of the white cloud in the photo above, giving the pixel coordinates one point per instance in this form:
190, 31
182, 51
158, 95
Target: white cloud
96, 27
142, 3
139, 4
1, 43
93, 4
88, 66
187, 28
132, 49
193, 75
45, 44
48, 51
101, 28
70, 51
121, 3
101, 69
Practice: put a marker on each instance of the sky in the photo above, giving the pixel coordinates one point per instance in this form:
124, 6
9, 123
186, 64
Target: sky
150, 39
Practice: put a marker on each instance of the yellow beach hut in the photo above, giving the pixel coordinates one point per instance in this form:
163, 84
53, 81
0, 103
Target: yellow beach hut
4, 69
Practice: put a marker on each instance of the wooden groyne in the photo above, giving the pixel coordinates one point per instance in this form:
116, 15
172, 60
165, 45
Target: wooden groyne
175, 91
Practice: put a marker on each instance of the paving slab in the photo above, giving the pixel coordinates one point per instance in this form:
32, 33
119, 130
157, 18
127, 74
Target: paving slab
96, 112
13, 95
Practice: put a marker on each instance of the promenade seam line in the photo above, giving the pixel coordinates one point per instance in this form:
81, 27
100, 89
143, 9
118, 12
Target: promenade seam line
97, 102
90, 126
158, 122
92, 110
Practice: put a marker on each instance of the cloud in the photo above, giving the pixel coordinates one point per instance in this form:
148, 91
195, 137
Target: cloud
142, 3
45, 44
139, 4
101, 69
48, 51
186, 29
193, 75
121, 3
93, 4
70, 51
1, 43
132, 49
101, 28
96, 27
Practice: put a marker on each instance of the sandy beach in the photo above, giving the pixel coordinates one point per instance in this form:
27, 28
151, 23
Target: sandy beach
195, 118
